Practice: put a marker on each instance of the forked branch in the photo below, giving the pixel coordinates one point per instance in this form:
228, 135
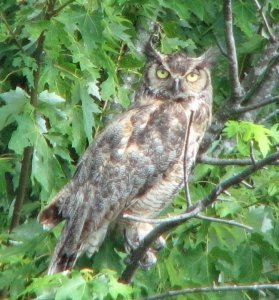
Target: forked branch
193, 211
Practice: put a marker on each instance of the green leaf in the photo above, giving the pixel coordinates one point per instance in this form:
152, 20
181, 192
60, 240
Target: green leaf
78, 138
123, 97
50, 98
25, 134
15, 101
93, 89
260, 218
244, 16
45, 167
108, 88
74, 289
89, 108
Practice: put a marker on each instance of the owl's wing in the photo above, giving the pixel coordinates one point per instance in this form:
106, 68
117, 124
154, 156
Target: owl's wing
126, 159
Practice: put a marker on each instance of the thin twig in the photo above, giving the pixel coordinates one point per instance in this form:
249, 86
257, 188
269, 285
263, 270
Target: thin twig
204, 159
256, 105
251, 150
215, 289
269, 116
169, 223
247, 185
55, 12
13, 35
223, 221
220, 47
198, 216
266, 25
185, 172
237, 90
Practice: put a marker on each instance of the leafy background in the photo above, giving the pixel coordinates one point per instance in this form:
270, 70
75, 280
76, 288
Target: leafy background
65, 68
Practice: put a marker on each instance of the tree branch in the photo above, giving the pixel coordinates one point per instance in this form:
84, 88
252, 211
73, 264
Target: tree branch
256, 105
224, 221
204, 159
269, 116
266, 25
21, 191
169, 223
28, 151
215, 289
237, 90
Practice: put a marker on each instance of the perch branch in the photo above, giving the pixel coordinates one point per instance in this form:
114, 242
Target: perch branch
237, 90
215, 289
193, 211
266, 25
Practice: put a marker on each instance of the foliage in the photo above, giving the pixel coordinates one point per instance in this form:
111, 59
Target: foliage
66, 67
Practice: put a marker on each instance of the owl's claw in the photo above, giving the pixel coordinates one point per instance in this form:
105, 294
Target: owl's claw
159, 244
148, 260
134, 236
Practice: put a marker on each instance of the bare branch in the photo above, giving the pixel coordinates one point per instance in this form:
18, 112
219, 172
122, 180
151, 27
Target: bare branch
220, 47
21, 191
223, 221
256, 105
13, 35
251, 149
28, 151
199, 216
215, 289
237, 90
193, 211
204, 159
185, 172
269, 116
259, 8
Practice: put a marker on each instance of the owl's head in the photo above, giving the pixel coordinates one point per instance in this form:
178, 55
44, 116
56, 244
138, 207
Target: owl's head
178, 76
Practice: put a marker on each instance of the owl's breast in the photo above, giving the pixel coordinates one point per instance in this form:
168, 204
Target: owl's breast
162, 140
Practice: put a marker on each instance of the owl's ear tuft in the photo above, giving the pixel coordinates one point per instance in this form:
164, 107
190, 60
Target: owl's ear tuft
151, 52
209, 58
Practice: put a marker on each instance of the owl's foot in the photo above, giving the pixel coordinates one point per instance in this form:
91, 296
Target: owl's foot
134, 236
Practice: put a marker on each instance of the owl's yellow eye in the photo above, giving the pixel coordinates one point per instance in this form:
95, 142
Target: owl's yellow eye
162, 73
192, 77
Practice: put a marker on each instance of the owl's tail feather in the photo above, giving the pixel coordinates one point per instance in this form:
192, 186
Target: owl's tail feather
62, 263
50, 216
55, 212
72, 239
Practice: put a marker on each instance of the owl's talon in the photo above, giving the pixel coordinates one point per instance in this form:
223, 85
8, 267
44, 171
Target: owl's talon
159, 244
148, 260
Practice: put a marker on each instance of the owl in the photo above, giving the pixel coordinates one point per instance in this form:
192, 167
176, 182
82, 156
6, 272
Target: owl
135, 166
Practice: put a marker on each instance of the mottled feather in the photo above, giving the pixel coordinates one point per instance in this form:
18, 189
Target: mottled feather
135, 165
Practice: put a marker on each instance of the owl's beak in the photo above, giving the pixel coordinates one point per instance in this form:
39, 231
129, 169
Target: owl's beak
177, 88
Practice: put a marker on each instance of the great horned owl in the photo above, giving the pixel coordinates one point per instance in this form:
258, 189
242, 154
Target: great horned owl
135, 166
